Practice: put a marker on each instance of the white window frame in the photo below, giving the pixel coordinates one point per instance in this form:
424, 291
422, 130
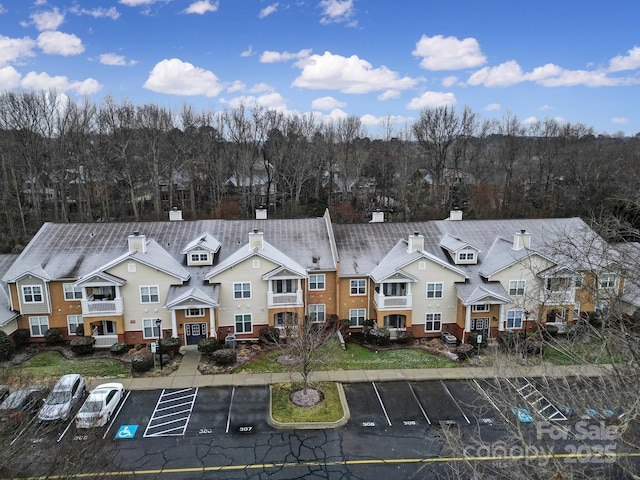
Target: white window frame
357, 314
433, 319
433, 291
71, 292
244, 288
515, 288
480, 307
199, 257
189, 312
359, 286
149, 293
317, 281
608, 280
32, 293
39, 322
150, 323
515, 317
467, 256
317, 312
241, 319
73, 320
283, 285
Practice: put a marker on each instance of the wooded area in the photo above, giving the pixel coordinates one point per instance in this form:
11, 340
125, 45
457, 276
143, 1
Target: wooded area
64, 160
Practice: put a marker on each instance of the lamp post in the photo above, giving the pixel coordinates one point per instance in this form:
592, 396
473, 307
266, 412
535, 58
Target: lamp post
159, 325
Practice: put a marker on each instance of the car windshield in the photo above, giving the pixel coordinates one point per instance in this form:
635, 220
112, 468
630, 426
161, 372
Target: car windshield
91, 406
59, 397
14, 400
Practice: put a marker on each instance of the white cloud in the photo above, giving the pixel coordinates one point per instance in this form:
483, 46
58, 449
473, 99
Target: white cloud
58, 43
2, 9
529, 120
373, 121
248, 52
620, 120
202, 6
432, 100
236, 86
116, 60
44, 81
50, 20
261, 88
348, 75
12, 49
337, 11
269, 56
137, 3
9, 78
504, 75
389, 94
631, 61
493, 106
99, 12
173, 76
449, 81
326, 103
266, 11
448, 53
545, 107
272, 101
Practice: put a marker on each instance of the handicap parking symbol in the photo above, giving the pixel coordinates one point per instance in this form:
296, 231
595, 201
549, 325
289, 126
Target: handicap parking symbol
126, 431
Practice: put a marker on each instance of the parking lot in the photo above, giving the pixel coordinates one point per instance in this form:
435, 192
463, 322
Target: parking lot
219, 411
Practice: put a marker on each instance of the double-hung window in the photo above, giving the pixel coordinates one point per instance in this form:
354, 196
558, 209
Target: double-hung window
359, 286
317, 312
433, 322
72, 323
32, 294
71, 292
149, 328
241, 290
516, 287
38, 325
243, 323
149, 294
317, 281
514, 319
608, 280
434, 290
356, 317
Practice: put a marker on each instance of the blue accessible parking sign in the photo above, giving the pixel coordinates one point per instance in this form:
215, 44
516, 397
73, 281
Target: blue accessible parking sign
126, 431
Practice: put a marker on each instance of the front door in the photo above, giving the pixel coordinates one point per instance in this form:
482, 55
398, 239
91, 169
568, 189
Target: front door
194, 332
480, 325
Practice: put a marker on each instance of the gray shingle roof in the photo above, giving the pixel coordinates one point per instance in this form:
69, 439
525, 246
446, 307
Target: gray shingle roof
6, 314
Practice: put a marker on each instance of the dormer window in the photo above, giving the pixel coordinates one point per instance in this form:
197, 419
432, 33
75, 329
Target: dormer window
199, 257
467, 256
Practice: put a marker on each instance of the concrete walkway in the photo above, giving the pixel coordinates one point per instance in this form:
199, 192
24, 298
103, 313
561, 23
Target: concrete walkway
187, 375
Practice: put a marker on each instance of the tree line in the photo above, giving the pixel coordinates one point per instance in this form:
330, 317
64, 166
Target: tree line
67, 160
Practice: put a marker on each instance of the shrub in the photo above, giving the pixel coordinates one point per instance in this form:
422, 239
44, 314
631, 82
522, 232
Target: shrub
473, 339
6, 346
404, 337
224, 356
378, 336
142, 360
80, 330
52, 336
82, 345
170, 345
511, 341
534, 345
21, 337
549, 332
464, 351
118, 348
209, 345
269, 335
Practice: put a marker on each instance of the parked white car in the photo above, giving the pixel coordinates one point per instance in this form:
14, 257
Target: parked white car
66, 394
100, 405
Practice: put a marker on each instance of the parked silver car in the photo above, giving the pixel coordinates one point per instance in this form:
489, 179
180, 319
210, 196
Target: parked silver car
100, 405
67, 392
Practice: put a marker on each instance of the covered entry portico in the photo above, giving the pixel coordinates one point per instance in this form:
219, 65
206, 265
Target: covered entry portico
193, 312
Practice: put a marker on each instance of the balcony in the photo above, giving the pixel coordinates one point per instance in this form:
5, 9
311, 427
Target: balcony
96, 308
564, 297
392, 302
291, 299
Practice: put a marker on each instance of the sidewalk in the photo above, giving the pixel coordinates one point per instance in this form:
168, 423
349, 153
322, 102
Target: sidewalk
188, 375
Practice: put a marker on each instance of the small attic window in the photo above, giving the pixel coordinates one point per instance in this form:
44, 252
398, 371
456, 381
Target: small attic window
198, 257
466, 256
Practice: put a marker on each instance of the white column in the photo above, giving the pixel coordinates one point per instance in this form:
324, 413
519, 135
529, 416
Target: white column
467, 318
212, 322
501, 321
174, 325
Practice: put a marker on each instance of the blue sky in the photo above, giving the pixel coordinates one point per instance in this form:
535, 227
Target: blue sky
577, 62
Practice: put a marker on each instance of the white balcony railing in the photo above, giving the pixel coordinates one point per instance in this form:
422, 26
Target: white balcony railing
383, 301
103, 307
564, 297
284, 299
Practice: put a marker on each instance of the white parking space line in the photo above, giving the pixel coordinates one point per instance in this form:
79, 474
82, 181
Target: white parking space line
233, 392
488, 397
446, 389
23, 430
116, 415
66, 429
165, 414
413, 392
381, 404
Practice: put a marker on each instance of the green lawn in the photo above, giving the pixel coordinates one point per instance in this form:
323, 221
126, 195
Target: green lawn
52, 364
580, 354
354, 357
329, 410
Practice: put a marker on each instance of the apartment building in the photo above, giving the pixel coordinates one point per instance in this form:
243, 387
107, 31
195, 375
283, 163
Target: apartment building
135, 281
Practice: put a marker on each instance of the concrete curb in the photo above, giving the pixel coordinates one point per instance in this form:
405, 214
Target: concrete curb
312, 425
